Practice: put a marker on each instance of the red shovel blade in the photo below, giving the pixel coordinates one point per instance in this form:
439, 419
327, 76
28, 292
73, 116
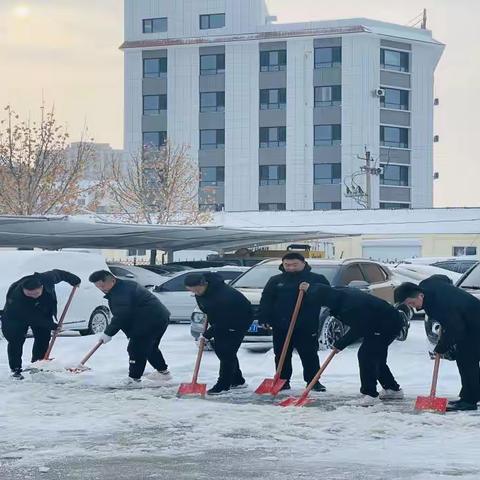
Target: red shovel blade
192, 389
270, 386
433, 404
296, 402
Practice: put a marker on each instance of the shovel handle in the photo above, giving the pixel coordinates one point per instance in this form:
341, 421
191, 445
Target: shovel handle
90, 353
60, 324
201, 348
317, 376
288, 338
436, 368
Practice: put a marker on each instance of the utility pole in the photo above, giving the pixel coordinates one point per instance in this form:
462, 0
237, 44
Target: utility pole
369, 172
424, 19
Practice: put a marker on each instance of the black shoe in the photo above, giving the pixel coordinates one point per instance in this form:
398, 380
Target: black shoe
286, 386
238, 386
218, 389
461, 406
454, 402
17, 374
318, 387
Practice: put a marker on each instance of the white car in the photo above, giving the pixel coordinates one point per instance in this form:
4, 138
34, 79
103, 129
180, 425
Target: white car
88, 312
144, 277
181, 303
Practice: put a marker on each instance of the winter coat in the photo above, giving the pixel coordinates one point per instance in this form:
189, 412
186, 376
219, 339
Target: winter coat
362, 312
136, 311
280, 296
227, 309
36, 312
457, 311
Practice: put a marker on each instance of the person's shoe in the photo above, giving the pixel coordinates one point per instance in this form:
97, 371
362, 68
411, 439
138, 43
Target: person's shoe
368, 401
132, 382
239, 386
462, 406
286, 386
17, 374
218, 389
160, 376
318, 387
454, 402
387, 394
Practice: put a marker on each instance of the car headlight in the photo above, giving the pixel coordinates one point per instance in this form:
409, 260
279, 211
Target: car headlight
198, 317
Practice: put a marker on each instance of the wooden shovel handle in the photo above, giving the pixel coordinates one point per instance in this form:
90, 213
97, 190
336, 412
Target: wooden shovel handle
90, 353
316, 378
201, 348
436, 368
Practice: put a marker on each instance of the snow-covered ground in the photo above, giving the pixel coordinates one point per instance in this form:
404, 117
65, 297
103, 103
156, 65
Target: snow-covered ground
60, 425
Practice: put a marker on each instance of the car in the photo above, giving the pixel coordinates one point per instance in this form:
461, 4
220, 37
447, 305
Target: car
88, 312
142, 276
165, 270
367, 275
181, 303
453, 264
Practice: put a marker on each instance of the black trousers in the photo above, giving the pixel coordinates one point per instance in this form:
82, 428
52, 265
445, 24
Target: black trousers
372, 360
226, 345
15, 334
145, 349
306, 344
468, 364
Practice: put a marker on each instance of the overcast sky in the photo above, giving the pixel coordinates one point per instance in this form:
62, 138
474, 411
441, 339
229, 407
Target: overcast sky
66, 51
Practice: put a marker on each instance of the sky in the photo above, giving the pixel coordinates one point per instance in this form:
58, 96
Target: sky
65, 53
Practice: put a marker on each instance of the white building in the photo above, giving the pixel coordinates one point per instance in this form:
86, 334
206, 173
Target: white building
277, 114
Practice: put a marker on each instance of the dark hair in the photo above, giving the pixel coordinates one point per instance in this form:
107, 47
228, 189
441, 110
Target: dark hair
194, 280
100, 276
32, 283
293, 256
406, 290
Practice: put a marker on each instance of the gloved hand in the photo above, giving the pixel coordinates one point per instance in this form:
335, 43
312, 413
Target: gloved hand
209, 334
105, 338
76, 281
55, 327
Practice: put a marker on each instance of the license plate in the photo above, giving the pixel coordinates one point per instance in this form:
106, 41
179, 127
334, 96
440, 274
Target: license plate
253, 327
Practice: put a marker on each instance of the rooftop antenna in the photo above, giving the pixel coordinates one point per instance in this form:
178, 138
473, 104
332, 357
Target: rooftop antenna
424, 20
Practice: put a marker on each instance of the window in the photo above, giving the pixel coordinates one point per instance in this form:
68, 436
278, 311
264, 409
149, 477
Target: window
211, 207
273, 137
273, 61
177, 284
272, 207
352, 273
155, 25
396, 99
396, 175
154, 104
212, 102
216, 20
212, 139
212, 64
212, 176
155, 67
273, 99
328, 96
327, 173
394, 137
327, 135
393, 205
154, 140
393, 60
327, 205
273, 174
326, 57
461, 251
374, 273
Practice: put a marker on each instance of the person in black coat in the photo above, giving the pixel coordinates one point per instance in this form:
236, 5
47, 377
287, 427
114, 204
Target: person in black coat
31, 302
375, 321
458, 313
276, 308
143, 319
229, 315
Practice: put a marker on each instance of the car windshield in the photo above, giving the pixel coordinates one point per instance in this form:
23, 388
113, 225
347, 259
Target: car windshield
472, 280
257, 277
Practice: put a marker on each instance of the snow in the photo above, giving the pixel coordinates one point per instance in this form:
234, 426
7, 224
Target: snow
57, 415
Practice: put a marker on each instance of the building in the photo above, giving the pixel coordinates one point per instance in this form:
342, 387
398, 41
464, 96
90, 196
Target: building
277, 114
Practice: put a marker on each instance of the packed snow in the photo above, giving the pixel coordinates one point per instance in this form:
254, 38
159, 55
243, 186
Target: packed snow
57, 418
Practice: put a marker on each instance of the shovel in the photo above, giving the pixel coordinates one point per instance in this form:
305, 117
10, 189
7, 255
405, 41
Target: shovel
303, 399
271, 386
195, 388
432, 403
81, 366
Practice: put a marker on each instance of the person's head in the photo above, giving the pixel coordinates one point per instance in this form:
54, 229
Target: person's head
409, 294
32, 287
196, 283
103, 280
293, 262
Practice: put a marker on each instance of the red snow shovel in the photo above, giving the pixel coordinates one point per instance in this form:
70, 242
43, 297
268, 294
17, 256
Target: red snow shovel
271, 386
432, 403
81, 366
195, 388
303, 399
60, 324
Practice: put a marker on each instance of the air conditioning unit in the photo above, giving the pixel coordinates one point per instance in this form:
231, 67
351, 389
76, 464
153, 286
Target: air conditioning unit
380, 92
436, 138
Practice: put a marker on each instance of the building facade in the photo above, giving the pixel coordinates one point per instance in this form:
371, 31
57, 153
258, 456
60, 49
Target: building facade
277, 115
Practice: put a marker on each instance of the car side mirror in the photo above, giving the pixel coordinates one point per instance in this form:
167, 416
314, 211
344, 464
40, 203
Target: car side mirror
158, 288
130, 275
360, 284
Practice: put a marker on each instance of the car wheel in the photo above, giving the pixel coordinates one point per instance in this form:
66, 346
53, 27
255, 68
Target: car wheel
331, 329
98, 322
432, 329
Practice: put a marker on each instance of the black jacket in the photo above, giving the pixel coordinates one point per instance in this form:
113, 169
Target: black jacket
362, 312
280, 296
227, 309
37, 312
457, 311
136, 311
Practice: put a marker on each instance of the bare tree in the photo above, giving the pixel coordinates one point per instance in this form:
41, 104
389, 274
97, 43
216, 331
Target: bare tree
36, 174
